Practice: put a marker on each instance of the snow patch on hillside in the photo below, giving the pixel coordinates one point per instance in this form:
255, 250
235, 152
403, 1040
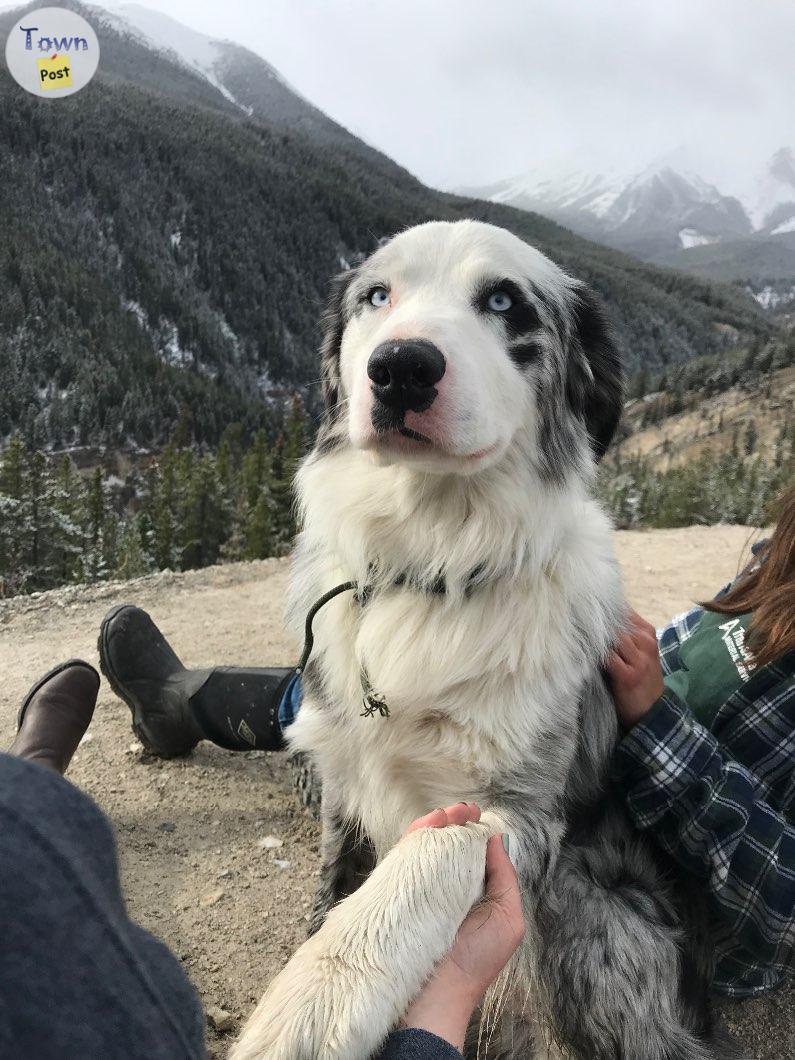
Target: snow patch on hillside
771, 298
170, 350
691, 237
785, 226
137, 310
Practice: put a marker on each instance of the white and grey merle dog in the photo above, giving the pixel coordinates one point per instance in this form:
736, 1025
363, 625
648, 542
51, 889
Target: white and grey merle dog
471, 387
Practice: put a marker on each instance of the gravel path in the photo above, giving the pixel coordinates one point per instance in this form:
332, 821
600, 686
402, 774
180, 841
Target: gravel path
190, 832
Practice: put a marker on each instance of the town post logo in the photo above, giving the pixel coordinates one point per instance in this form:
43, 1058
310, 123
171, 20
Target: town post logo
52, 52
55, 72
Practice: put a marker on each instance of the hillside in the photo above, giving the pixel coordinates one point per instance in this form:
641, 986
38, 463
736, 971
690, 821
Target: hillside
712, 440
760, 260
758, 413
164, 245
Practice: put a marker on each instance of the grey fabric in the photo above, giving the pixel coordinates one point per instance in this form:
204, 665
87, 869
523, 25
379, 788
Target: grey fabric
78, 980
417, 1045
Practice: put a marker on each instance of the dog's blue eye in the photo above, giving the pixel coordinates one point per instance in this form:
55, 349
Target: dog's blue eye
500, 302
378, 297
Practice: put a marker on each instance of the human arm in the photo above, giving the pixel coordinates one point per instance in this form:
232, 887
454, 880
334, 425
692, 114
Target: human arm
435, 1024
708, 811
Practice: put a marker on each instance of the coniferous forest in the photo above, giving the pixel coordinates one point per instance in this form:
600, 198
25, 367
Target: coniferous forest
723, 487
181, 509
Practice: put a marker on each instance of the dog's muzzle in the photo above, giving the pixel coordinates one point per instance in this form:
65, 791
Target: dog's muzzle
403, 374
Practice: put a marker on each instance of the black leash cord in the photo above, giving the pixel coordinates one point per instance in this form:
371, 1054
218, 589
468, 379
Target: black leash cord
309, 638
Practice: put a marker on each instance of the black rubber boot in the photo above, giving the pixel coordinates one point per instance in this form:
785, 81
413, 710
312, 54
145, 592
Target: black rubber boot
238, 707
174, 708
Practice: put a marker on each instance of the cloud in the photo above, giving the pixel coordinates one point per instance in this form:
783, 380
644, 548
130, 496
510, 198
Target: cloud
464, 92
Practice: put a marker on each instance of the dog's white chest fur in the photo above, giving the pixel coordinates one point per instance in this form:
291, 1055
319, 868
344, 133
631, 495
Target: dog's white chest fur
464, 696
470, 678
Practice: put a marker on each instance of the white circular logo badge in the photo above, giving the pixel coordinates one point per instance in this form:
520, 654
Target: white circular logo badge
52, 52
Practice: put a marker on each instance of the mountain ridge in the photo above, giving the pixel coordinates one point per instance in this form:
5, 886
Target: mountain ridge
143, 272
664, 212
244, 79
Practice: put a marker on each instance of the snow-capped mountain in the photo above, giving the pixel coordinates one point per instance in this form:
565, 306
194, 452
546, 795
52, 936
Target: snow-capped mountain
662, 210
202, 54
232, 73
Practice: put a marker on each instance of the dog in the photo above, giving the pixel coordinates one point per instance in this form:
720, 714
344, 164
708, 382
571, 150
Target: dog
471, 387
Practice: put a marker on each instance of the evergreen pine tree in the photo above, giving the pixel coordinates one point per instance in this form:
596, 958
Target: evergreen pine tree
94, 559
35, 521
14, 573
234, 547
255, 472
203, 529
182, 437
132, 559
167, 489
259, 533
751, 436
290, 448
66, 503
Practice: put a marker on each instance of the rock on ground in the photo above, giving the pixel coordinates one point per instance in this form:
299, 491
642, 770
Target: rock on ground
190, 831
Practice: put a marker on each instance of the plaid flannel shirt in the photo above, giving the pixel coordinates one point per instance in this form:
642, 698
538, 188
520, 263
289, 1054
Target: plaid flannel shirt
721, 802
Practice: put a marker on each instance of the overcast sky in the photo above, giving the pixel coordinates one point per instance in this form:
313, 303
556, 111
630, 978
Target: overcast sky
464, 92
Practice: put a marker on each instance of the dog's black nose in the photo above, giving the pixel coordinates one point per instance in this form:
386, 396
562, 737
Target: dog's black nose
404, 373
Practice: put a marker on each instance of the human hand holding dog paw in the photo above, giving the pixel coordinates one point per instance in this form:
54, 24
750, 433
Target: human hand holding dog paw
635, 671
484, 944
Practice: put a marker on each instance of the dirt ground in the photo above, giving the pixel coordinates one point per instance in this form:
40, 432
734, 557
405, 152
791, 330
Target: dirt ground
194, 867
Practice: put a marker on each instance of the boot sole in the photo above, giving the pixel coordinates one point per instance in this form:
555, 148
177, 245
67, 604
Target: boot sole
135, 707
42, 681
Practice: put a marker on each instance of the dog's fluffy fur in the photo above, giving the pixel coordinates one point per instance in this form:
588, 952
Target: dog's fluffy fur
492, 600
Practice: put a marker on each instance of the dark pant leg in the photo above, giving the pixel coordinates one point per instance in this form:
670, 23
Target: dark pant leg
78, 980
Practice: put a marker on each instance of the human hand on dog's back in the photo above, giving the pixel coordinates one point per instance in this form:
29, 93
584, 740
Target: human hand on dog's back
484, 944
635, 671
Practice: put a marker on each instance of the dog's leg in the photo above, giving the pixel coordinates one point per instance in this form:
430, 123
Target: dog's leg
505, 1029
349, 984
609, 955
348, 858
306, 782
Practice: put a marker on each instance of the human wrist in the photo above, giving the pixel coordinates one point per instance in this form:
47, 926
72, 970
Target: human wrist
631, 715
445, 1005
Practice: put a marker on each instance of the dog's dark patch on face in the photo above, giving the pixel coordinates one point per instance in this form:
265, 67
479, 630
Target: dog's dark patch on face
332, 323
553, 310
522, 316
524, 353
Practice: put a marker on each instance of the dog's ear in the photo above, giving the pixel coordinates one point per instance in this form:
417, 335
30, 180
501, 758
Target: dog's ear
595, 378
332, 325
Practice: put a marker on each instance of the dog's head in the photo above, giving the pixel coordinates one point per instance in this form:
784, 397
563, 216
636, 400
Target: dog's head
452, 339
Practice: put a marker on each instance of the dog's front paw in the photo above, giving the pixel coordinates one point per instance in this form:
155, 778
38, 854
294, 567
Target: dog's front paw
349, 984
